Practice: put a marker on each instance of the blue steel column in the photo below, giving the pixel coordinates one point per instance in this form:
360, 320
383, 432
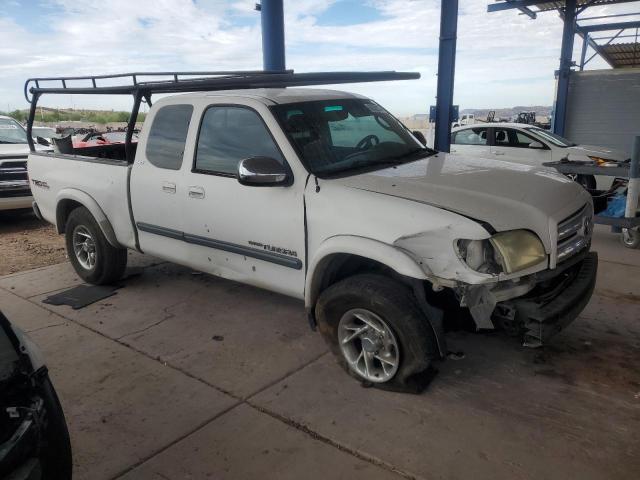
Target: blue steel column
566, 55
446, 73
272, 17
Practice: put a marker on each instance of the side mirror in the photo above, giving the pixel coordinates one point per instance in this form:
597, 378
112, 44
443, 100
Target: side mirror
262, 172
42, 141
420, 137
536, 144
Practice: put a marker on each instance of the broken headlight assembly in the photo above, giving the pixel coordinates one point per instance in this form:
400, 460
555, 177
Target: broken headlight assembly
504, 252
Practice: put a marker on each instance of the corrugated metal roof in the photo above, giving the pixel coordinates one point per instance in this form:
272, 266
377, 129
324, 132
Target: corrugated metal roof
622, 54
546, 6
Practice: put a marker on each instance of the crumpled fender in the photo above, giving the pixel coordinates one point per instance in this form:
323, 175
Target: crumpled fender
90, 204
388, 255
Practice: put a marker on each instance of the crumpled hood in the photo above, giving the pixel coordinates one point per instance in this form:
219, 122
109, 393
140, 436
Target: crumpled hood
503, 194
579, 152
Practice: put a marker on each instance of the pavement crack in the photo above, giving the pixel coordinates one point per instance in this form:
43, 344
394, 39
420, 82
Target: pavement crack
168, 316
332, 443
45, 327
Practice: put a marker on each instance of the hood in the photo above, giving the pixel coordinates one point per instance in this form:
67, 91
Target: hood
12, 150
579, 152
503, 194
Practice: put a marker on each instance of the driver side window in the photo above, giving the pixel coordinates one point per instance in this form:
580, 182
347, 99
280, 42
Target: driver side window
229, 134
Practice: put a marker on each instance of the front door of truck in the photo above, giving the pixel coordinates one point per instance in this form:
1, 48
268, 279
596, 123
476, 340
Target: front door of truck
157, 187
252, 234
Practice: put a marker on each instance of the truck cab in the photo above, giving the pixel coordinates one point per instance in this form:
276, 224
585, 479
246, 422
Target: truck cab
324, 196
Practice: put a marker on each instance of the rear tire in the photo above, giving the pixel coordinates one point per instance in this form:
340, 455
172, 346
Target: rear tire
93, 258
393, 344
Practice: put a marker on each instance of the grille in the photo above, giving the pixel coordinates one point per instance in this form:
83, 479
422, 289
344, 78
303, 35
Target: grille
13, 170
574, 233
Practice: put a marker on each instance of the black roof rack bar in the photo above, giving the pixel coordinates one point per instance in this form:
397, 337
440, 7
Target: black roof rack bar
223, 81
211, 81
133, 76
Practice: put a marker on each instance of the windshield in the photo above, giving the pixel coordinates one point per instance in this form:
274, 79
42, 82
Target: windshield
551, 137
11, 131
346, 136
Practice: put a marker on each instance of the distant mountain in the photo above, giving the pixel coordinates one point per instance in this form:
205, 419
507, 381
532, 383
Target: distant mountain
500, 112
541, 111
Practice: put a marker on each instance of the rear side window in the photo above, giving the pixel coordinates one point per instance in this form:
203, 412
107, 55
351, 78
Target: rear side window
230, 134
470, 136
168, 135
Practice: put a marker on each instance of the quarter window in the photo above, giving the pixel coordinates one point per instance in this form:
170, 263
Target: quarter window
168, 135
230, 134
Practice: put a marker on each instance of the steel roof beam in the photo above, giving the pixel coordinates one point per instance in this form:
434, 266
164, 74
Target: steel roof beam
517, 4
609, 26
529, 13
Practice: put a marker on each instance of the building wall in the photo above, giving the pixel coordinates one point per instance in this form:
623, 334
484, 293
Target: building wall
604, 108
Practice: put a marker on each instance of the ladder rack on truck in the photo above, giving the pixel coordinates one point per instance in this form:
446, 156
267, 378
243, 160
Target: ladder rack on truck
196, 82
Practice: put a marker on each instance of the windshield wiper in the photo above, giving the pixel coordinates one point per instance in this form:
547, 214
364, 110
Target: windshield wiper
410, 153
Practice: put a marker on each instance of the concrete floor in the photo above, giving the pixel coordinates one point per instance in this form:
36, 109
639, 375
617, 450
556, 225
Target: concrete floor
182, 375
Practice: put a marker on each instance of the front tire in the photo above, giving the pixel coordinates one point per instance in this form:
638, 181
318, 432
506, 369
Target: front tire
93, 258
377, 332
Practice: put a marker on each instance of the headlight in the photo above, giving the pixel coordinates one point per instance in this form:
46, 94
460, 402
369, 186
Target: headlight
600, 161
507, 252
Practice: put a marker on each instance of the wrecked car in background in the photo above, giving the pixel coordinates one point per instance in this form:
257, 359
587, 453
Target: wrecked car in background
325, 196
34, 440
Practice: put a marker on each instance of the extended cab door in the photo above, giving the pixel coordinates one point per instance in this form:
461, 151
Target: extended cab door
513, 145
157, 185
254, 234
470, 141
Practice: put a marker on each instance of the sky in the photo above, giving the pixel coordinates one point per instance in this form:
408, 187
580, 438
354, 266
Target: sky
503, 59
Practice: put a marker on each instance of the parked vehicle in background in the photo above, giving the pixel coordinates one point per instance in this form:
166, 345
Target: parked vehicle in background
101, 138
324, 196
34, 440
533, 146
47, 133
465, 119
15, 193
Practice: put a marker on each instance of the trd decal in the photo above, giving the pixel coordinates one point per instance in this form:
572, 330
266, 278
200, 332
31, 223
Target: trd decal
40, 183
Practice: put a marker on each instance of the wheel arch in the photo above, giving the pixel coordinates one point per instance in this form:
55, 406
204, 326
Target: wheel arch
69, 199
338, 251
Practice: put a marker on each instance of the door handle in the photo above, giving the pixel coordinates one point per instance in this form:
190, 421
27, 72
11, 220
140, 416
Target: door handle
498, 153
168, 187
196, 192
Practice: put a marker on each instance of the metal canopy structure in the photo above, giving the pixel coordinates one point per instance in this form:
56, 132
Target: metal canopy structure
206, 82
603, 38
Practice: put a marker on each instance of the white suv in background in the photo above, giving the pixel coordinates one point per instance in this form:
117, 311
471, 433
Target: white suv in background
531, 145
14, 182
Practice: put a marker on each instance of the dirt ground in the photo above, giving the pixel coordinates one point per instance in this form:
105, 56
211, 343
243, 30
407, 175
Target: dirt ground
26, 243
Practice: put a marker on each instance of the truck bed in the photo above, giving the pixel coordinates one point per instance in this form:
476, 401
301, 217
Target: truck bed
55, 177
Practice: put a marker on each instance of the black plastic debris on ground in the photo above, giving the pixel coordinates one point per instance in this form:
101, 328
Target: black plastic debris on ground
82, 295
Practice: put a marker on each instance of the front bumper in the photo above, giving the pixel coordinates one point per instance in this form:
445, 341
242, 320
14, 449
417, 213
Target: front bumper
17, 202
553, 304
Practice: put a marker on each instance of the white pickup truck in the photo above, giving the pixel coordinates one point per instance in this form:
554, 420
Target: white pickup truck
324, 196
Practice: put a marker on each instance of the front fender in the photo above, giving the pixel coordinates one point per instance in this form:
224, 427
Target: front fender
383, 253
87, 201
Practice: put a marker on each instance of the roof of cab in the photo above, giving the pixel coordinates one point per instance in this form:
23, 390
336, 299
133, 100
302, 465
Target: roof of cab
271, 96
